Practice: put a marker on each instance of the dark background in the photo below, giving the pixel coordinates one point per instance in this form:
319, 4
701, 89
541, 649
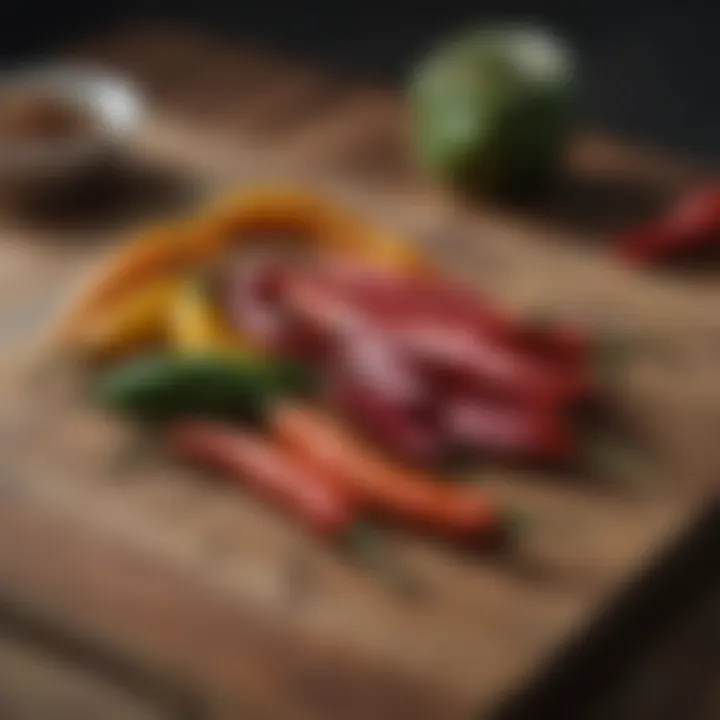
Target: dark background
649, 69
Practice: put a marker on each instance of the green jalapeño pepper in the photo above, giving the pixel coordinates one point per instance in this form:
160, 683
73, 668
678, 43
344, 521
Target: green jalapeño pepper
161, 388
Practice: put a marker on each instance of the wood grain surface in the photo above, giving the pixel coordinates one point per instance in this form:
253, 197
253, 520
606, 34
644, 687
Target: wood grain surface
65, 693
214, 592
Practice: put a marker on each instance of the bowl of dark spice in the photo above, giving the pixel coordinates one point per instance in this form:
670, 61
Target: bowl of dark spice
59, 122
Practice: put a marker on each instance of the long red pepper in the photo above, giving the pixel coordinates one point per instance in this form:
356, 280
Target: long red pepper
475, 425
403, 430
441, 312
440, 299
448, 344
338, 297
287, 479
691, 224
476, 362
417, 365
251, 300
408, 496
384, 293
267, 470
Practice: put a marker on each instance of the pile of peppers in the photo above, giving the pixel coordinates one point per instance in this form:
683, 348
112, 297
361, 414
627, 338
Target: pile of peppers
335, 389
427, 370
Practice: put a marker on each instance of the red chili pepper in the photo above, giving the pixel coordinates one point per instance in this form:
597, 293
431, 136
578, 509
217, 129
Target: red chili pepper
443, 324
267, 470
371, 358
460, 359
566, 349
475, 424
404, 431
699, 211
386, 294
652, 243
312, 306
252, 301
565, 344
441, 343
691, 224
385, 395
408, 496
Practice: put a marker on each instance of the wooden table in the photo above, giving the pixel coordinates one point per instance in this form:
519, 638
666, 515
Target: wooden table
198, 602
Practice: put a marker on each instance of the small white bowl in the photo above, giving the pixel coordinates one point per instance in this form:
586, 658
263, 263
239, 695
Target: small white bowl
110, 101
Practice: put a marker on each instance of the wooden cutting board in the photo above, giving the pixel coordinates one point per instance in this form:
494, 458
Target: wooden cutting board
216, 594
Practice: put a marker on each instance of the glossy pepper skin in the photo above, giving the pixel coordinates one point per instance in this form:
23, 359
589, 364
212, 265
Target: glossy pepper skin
245, 218
385, 294
162, 388
151, 258
399, 355
690, 225
313, 222
267, 470
392, 298
524, 431
402, 428
435, 326
196, 323
133, 323
411, 497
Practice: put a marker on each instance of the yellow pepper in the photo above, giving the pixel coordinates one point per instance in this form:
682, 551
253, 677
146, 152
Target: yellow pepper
156, 254
131, 323
246, 218
196, 324
319, 224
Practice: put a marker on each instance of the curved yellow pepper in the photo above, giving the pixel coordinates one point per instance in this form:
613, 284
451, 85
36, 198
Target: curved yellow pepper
156, 254
312, 221
131, 323
195, 324
247, 217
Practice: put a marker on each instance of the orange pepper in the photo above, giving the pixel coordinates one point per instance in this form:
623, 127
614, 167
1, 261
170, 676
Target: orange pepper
242, 218
155, 255
318, 223
133, 322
